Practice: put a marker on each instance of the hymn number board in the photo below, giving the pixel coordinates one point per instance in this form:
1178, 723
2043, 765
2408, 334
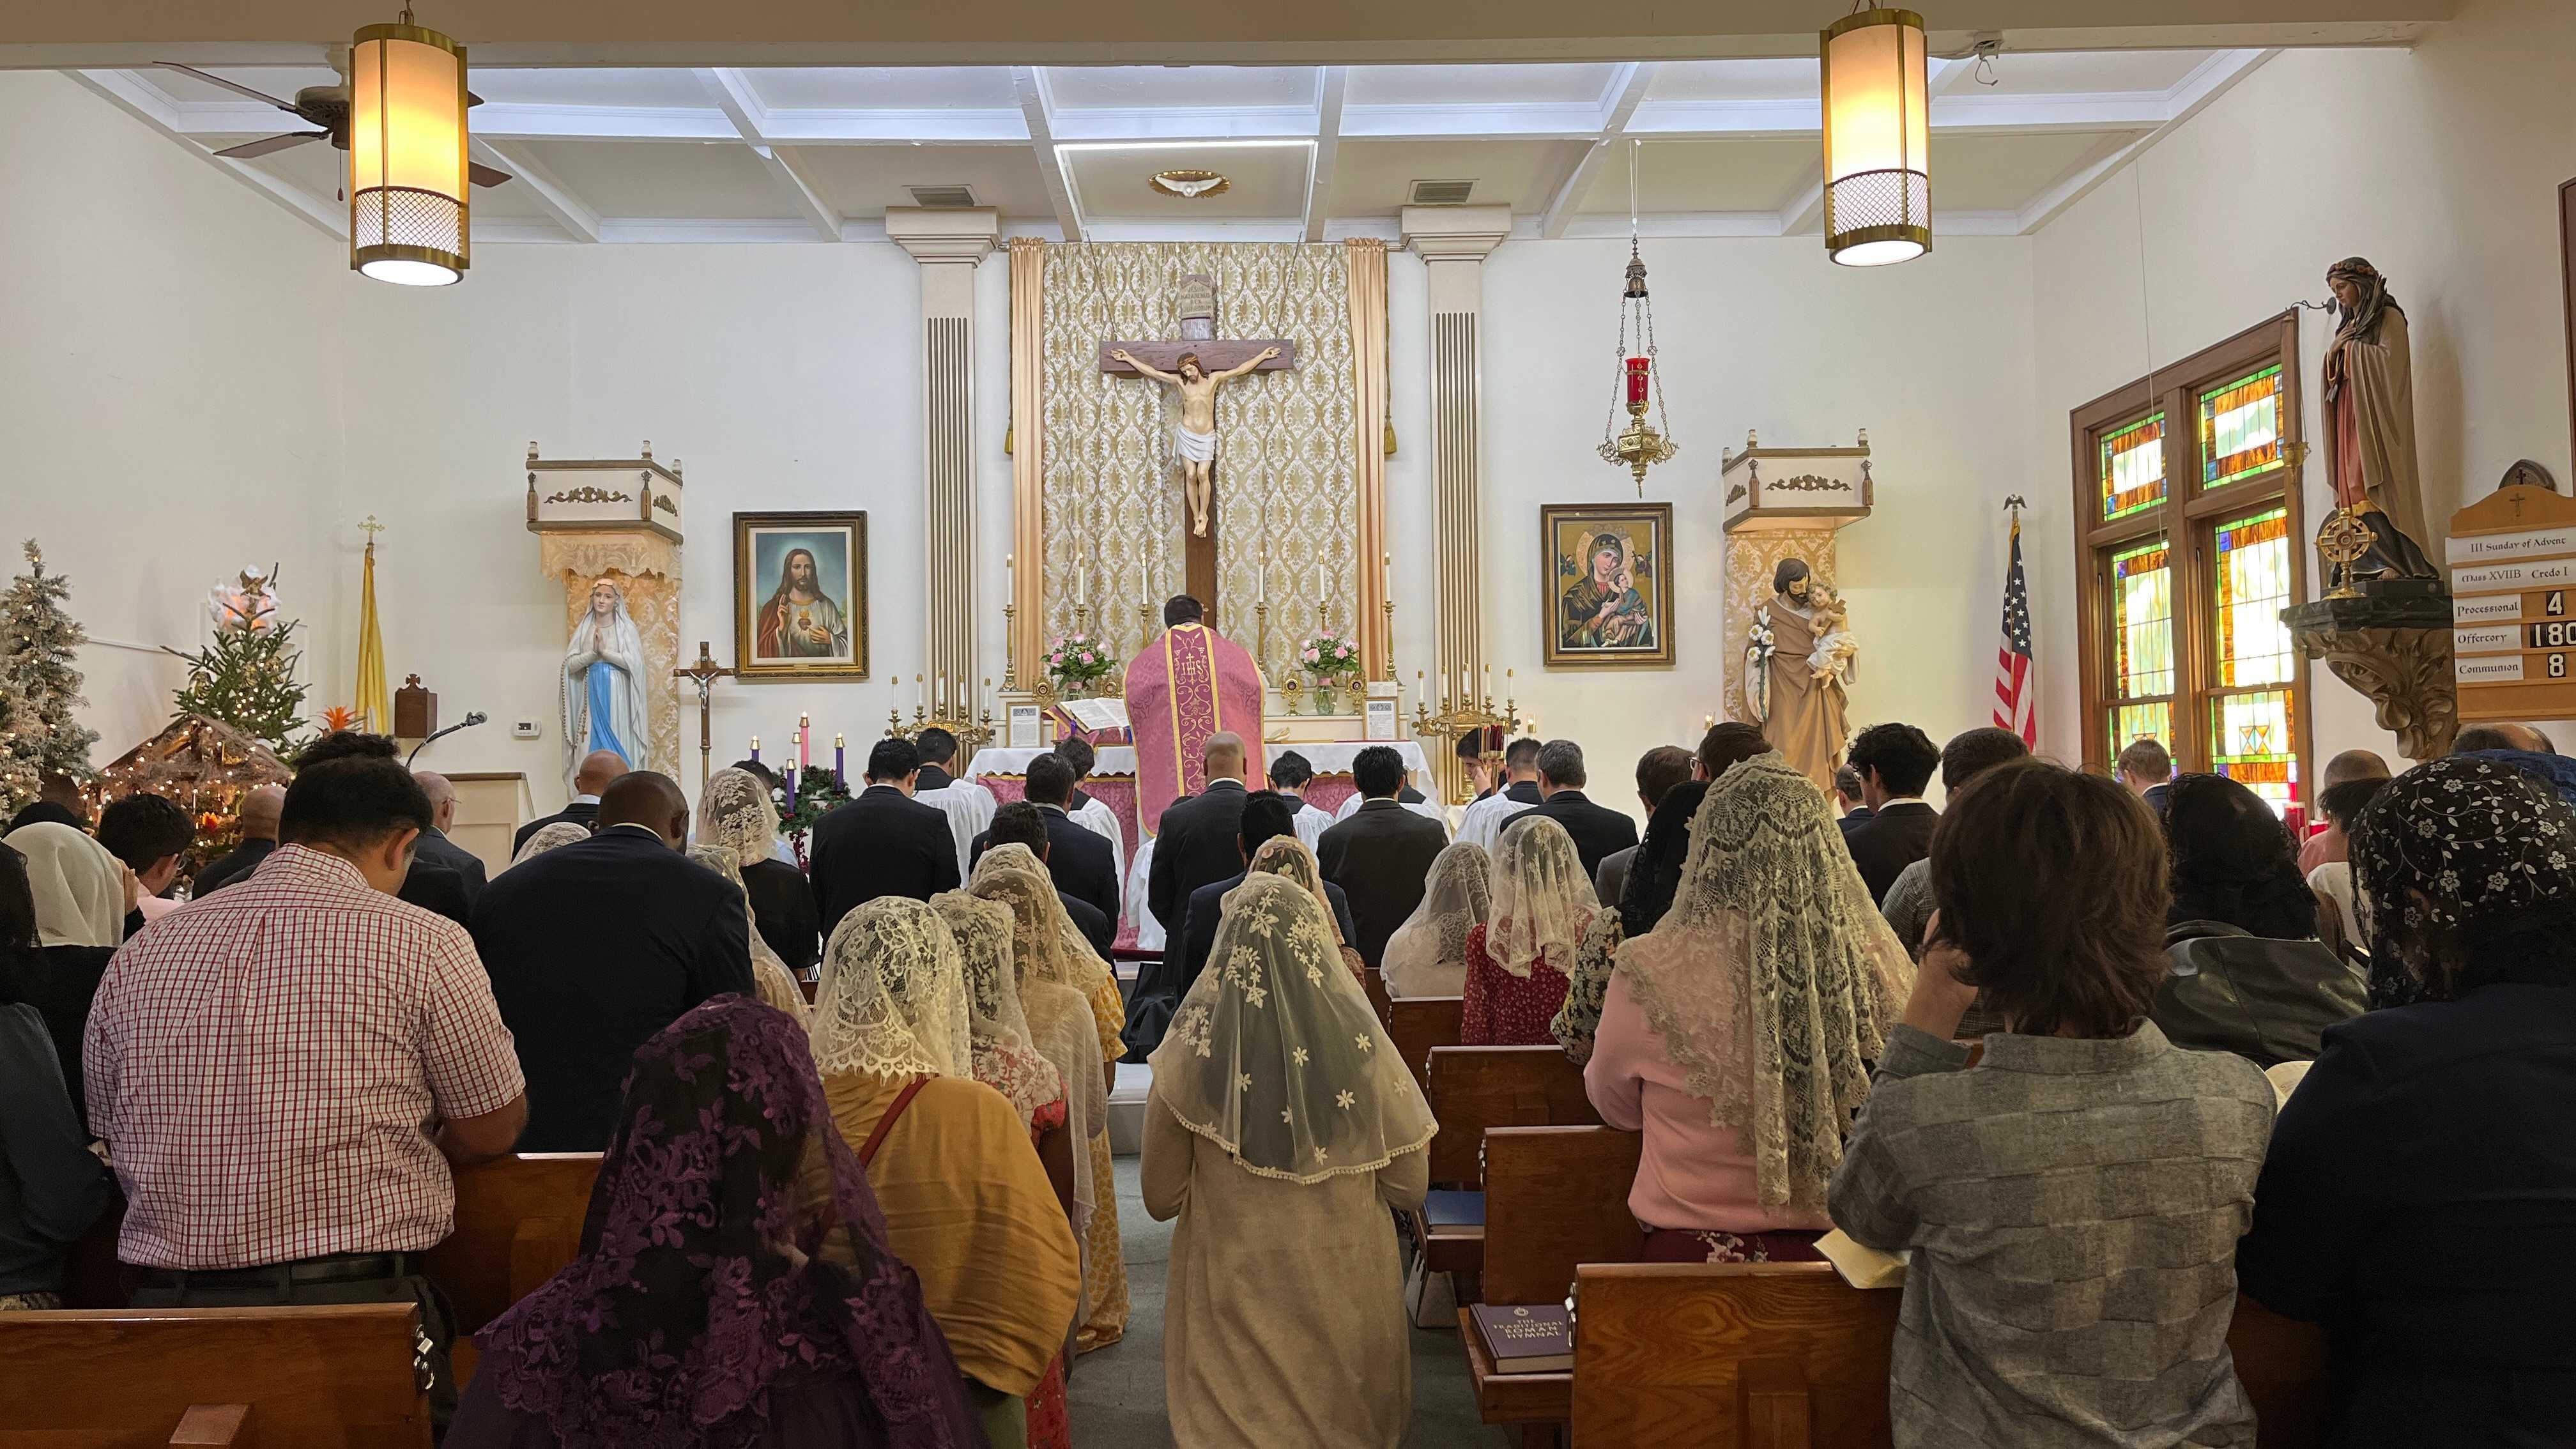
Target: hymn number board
2513, 605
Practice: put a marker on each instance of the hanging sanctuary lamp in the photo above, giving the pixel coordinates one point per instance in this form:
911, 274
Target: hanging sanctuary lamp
1638, 382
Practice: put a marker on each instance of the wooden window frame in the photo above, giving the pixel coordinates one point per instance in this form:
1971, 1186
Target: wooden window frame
2188, 517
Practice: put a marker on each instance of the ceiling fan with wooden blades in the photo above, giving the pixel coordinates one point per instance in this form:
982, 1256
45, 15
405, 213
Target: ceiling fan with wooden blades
323, 106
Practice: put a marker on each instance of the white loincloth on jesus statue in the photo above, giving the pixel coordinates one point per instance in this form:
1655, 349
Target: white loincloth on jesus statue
1193, 447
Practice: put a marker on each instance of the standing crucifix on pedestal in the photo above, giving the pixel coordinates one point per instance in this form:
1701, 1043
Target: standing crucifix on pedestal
1195, 365
704, 674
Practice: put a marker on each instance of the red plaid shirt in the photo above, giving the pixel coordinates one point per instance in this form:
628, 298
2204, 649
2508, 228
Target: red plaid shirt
267, 1066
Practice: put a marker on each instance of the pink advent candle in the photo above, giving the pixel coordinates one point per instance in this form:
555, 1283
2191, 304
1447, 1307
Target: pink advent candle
804, 742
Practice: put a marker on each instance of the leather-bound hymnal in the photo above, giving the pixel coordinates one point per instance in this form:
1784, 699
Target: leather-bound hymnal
1526, 1338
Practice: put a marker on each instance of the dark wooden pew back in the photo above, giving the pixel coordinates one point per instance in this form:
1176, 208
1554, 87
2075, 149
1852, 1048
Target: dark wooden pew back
1416, 1024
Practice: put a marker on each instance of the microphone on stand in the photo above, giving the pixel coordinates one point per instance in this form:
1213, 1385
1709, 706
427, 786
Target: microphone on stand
472, 718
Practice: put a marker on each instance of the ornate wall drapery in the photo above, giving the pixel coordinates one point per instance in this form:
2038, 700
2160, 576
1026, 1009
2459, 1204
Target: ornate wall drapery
1286, 477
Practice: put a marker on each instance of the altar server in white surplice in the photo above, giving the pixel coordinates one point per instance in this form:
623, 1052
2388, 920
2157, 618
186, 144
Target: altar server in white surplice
968, 806
1149, 931
1289, 775
1093, 813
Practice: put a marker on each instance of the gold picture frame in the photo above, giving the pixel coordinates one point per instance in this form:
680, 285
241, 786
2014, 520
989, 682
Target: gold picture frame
813, 628
1625, 622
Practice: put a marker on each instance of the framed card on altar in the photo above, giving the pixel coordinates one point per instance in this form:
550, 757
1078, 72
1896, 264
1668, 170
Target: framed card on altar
800, 595
1606, 579
1027, 728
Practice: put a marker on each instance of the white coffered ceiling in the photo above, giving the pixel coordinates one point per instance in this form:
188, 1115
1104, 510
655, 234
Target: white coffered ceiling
1726, 147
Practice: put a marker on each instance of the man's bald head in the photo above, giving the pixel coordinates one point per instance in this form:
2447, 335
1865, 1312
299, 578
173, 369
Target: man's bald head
598, 768
1225, 756
2353, 765
641, 797
259, 812
442, 797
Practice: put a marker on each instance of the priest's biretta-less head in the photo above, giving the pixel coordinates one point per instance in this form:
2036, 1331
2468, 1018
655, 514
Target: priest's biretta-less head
1182, 609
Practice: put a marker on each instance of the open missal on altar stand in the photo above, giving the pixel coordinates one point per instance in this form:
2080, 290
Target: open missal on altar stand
1096, 715
1527, 1338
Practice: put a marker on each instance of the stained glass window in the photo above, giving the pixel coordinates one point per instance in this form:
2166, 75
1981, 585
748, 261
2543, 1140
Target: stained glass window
2142, 663
2133, 722
2253, 584
2250, 742
2240, 428
2132, 472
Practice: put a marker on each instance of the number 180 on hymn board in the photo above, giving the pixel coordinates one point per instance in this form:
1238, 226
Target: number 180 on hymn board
2513, 606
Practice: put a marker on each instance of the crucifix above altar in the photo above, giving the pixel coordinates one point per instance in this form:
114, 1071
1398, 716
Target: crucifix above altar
1195, 365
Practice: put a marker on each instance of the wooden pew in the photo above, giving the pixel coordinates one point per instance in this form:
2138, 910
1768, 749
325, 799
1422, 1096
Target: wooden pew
1476, 1088
1787, 1356
518, 1222
1555, 1198
1416, 1024
1375, 985
336, 1377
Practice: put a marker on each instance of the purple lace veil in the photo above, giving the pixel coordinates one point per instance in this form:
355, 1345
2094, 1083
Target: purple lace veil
700, 1288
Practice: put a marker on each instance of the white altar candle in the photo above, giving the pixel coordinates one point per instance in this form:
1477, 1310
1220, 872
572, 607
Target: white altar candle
1319, 583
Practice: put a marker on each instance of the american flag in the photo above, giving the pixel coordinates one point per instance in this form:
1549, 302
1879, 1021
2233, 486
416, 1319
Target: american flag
2016, 692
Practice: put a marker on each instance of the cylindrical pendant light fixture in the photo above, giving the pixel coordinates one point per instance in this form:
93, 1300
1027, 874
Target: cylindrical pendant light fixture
408, 213
1878, 175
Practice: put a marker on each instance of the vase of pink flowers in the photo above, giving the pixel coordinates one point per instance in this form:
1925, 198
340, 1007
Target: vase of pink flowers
1335, 664
1076, 663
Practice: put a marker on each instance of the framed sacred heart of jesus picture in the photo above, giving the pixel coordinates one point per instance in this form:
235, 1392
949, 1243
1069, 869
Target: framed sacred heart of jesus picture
800, 595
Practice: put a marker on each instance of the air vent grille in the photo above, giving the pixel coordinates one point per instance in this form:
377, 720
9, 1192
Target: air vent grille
942, 198
1442, 193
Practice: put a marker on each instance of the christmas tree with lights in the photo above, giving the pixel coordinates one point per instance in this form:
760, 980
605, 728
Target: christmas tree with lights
39, 685
246, 677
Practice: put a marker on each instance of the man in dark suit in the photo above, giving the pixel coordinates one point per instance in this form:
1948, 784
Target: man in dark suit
2146, 767
883, 843
597, 946
259, 814
1847, 790
1084, 868
434, 846
1381, 856
1659, 771
1021, 823
1265, 815
1895, 762
1195, 841
1597, 830
599, 769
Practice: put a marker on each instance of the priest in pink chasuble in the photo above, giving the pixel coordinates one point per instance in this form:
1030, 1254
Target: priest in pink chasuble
1187, 685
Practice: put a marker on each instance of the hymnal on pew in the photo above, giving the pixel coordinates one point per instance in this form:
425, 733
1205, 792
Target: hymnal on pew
1859, 1264
1526, 1338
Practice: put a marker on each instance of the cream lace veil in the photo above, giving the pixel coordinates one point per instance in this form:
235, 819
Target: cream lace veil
1458, 896
735, 811
1045, 943
1275, 1055
1543, 898
1005, 1057
775, 984
893, 1001
1287, 857
552, 837
1773, 981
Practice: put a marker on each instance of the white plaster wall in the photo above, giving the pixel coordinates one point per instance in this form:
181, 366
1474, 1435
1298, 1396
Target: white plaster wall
169, 389
1933, 358
2441, 165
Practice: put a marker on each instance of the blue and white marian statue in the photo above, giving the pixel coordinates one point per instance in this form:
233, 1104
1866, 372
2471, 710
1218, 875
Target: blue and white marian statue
603, 693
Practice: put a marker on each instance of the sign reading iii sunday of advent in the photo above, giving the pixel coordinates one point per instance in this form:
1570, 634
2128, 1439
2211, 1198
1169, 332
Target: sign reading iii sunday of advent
2513, 605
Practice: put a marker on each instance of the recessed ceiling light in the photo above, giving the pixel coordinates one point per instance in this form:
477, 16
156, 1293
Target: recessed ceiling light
1189, 184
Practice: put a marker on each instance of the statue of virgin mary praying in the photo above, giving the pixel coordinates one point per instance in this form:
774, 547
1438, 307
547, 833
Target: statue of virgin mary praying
603, 696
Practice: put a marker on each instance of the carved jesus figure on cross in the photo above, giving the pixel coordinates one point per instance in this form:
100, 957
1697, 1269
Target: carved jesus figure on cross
704, 674
1194, 436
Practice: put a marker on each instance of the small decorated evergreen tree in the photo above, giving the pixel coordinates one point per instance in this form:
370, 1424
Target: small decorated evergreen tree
38, 637
21, 741
246, 678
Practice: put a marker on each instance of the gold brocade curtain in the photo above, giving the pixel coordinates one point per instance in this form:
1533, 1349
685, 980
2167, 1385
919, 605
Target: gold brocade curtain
1287, 495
